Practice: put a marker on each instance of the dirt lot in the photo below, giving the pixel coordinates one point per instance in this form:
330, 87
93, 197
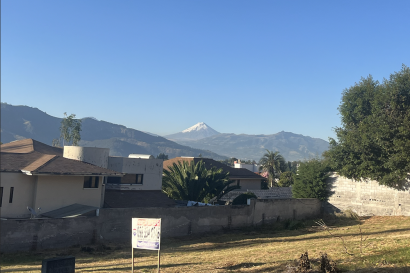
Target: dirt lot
382, 245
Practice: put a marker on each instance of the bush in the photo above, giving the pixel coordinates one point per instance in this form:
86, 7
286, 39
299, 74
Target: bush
286, 179
311, 180
242, 199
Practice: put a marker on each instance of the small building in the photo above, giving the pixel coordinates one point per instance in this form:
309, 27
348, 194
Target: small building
37, 178
140, 184
251, 167
244, 178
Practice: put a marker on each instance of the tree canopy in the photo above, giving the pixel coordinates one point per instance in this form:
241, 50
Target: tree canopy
274, 164
374, 139
162, 156
70, 129
311, 180
189, 181
286, 179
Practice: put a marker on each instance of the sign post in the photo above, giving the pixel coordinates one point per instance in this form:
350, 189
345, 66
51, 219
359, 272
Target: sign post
146, 234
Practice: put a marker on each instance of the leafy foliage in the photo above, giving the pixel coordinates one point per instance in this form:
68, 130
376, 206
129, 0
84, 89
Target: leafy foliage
374, 140
69, 131
273, 163
293, 166
162, 156
311, 180
189, 181
286, 179
242, 199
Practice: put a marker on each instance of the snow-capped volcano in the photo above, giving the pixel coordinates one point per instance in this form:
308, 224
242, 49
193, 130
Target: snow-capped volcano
198, 131
198, 127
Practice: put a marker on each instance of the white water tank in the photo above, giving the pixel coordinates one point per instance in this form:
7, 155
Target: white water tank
92, 155
141, 156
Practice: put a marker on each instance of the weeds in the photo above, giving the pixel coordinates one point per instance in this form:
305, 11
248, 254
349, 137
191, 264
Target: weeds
350, 215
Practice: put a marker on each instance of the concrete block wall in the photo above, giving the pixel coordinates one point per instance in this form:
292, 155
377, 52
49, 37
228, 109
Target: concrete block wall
114, 225
367, 198
272, 193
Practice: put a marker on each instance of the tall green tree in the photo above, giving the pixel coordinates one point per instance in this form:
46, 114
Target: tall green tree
311, 180
189, 181
286, 179
70, 129
274, 164
374, 139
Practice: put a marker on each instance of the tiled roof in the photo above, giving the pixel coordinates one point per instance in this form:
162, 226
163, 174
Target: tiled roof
234, 173
133, 199
27, 158
30, 145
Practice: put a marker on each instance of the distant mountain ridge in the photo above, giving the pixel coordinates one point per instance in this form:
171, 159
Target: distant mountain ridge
291, 146
198, 131
20, 122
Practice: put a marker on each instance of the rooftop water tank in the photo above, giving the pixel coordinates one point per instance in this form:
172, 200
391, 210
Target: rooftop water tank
141, 156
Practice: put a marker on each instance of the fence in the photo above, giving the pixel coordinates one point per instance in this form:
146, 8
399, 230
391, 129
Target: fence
367, 198
114, 225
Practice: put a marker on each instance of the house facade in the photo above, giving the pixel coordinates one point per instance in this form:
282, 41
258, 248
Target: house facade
37, 178
142, 173
140, 184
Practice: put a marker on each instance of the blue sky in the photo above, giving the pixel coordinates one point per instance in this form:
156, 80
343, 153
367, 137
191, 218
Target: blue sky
252, 67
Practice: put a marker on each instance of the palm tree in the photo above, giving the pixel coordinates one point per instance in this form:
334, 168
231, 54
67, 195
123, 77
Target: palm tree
273, 163
189, 181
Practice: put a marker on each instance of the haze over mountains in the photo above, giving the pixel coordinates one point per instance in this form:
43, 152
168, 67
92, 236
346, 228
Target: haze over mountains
19, 122
291, 146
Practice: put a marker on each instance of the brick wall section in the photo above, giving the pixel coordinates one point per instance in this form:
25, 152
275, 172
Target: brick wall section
114, 225
367, 198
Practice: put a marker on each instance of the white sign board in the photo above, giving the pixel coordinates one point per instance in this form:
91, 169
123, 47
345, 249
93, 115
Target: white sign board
146, 233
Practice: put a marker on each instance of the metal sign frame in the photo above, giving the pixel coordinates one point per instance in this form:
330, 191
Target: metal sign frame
146, 234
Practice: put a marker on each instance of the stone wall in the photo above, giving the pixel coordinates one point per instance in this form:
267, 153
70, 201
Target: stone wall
367, 198
114, 225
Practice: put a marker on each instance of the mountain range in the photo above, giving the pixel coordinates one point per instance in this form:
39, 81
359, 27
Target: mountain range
20, 122
252, 147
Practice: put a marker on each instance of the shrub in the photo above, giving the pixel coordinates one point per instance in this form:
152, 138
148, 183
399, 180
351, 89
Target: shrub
311, 180
243, 198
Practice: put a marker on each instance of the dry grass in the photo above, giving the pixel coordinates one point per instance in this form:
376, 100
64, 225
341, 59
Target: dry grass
267, 249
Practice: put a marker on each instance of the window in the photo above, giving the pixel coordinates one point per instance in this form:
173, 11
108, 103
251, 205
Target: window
114, 180
1, 196
127, 179
91, 182
11, 195
238, 183
139, 178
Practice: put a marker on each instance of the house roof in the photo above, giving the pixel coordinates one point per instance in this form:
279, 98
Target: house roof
25, 156
30, 145
234, 173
